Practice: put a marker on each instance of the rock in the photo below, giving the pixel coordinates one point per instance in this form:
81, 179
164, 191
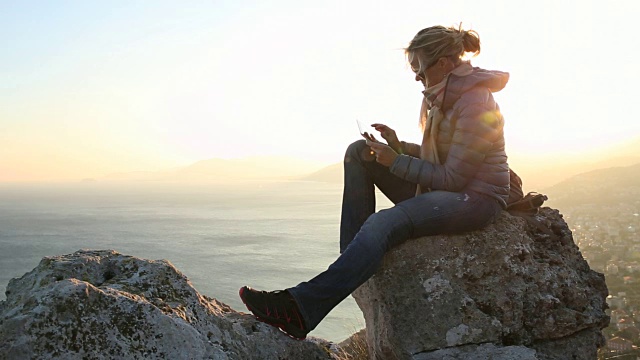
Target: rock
480, 352
105, 305
503, 290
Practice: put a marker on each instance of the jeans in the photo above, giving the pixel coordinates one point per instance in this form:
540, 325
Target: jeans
365, 235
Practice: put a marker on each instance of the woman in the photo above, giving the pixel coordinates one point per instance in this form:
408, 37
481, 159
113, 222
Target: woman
457, 180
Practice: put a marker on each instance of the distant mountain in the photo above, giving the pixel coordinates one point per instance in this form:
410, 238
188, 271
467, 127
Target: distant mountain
333, 173
131, 176
545, 172
615, 185
537, 172
254, 168
550, 170
223, 170
535, 176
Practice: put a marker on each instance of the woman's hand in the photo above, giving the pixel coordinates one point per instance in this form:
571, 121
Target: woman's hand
384, 154
388, 134
369, 137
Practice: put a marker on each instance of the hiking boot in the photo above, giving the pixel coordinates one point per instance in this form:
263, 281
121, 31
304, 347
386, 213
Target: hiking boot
276, 308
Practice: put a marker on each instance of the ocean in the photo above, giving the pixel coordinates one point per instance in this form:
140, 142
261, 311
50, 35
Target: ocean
268, 235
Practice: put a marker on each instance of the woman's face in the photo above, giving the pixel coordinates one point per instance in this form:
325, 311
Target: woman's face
432, 74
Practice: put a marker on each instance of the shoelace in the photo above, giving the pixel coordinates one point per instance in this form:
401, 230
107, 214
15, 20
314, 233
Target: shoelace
283, 298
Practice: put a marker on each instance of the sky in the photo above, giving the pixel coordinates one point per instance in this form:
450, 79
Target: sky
89, 88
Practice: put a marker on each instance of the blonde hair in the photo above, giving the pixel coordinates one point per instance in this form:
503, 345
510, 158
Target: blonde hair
435, 42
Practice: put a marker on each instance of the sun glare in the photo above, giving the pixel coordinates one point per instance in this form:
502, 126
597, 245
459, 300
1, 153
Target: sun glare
161, 91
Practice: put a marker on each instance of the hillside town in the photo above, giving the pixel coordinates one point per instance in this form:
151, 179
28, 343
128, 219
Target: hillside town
609, 239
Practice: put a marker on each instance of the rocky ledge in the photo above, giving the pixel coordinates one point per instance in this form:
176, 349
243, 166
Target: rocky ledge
509, 291
105, 305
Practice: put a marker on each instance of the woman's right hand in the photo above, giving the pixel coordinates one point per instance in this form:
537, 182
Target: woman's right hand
388, 134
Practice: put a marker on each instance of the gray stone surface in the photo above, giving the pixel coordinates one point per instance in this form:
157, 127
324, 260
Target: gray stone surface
508, 285
105, 305
480, 352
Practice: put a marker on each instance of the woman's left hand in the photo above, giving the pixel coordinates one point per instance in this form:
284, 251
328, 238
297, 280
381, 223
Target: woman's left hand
384, 154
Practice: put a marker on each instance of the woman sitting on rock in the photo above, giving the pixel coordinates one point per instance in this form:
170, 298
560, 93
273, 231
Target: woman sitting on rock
457, 180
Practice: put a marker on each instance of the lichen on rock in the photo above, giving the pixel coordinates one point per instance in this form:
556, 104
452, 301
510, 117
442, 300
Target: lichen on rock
105, 305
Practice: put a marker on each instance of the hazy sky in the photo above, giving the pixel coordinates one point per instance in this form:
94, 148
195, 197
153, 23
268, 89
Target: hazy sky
93, 87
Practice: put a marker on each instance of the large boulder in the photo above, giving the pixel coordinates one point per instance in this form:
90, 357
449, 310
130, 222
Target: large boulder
105, 305
509, 291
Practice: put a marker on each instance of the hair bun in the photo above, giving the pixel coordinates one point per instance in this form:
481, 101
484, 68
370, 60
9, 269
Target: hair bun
470, 41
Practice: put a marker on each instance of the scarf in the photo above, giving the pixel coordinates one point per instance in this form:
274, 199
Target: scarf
431, 115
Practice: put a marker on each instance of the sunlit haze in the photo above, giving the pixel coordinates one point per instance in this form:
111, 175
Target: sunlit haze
88, 89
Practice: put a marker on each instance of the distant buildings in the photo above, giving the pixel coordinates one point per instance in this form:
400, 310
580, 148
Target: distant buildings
619, 344
609, 239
